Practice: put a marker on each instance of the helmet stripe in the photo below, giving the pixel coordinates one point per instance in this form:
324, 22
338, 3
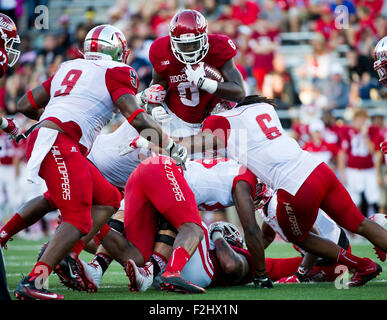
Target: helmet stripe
94, 39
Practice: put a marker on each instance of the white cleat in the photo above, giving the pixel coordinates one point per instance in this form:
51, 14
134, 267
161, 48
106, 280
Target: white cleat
140, 278
92, 275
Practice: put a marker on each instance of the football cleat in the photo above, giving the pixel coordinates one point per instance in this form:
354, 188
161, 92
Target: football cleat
371, 271
26, 290
291, 279
69, 271
140, 278
91, 275
169, 281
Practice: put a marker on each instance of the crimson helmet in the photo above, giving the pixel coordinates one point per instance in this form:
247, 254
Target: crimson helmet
380, 64
189, 41
106, 42
9, 36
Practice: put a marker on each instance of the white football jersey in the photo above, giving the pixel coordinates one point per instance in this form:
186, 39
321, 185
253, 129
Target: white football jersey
325, 226
105, 155
212, 181
255, 137
83, 91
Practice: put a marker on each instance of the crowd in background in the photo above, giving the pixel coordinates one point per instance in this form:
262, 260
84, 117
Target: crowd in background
313, 57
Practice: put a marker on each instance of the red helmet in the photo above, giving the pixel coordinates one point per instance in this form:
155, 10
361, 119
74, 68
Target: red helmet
8, 37
380, 64
189, 41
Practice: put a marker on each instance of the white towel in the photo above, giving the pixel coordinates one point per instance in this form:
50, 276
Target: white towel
44, 141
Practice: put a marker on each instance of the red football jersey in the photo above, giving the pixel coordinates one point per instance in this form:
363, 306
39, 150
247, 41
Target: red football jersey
3, 61
325, 151
358, 155
221, 279
183, 98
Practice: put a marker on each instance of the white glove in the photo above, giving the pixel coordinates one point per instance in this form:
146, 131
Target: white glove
177, 153
160, 115
9, 127
138, 142
154, 94
199, 79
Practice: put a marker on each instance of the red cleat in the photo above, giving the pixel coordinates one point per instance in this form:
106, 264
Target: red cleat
27, 290
175, 282
371, 271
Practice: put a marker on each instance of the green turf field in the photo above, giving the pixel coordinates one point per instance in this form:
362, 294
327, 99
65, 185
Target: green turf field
21, 255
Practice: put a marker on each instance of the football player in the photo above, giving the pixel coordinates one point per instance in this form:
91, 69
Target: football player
178, 67
74, 113
8, 57
380, 66
252, 133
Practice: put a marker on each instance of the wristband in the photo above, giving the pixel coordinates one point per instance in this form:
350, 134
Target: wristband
31, 100
134, 115
209, 85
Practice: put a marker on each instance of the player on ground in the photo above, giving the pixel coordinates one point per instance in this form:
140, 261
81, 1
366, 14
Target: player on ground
252, 133
74, 114
177, 62
8, 57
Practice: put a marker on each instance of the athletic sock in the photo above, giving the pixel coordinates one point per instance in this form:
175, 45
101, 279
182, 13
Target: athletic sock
103, 260
41, 270
13, 226
178, 260
159, 262
346, 258
282, 267
79, 246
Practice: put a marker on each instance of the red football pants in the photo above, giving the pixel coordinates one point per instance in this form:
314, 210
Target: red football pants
73, 182
156, 186
297, 214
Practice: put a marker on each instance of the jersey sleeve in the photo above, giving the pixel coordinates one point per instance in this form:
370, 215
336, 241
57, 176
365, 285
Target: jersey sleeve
247, 176
157, 55
120, 81
218, 126
47, 84
222, 49
3, 62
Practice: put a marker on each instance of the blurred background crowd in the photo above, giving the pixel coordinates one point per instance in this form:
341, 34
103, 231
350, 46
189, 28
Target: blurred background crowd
313, 57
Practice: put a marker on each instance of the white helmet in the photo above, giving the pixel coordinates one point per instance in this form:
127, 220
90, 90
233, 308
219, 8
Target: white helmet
380, 64
106, 42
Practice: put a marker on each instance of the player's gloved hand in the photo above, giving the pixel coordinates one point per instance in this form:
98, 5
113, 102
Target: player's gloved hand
177, 153
383, 147
154, 94
160, 115
138, 142
262, 281
4, 238
9, 127
199, 79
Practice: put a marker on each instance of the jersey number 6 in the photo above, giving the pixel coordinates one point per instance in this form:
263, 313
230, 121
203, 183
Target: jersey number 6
270, 132
68, 82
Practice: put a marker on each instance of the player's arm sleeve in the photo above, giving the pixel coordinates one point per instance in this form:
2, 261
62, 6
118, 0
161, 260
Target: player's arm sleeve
120, 81
247, 176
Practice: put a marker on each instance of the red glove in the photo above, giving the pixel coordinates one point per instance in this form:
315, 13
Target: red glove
9, 127
383, 147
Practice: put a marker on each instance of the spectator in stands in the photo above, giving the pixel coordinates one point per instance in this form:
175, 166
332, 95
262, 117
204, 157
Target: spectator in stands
245, 11
325, 25
336, 88
263, 44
